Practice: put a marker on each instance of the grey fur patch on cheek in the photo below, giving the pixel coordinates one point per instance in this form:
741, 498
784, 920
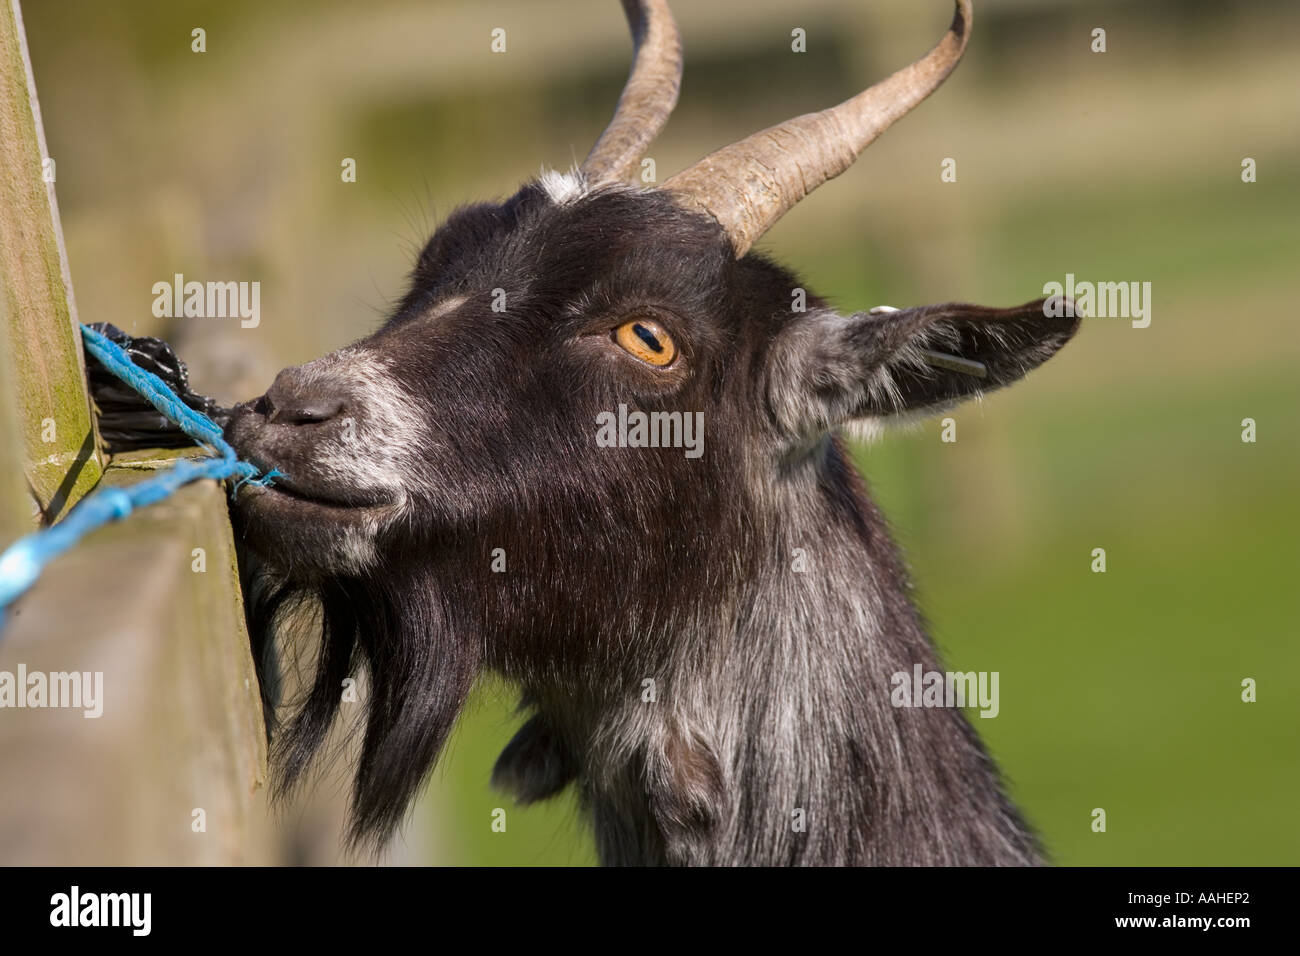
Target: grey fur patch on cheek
355, 550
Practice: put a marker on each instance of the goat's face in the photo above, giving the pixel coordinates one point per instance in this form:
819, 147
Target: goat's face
477, 401
480, 410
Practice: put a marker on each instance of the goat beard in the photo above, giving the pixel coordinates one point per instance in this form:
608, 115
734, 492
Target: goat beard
421, 664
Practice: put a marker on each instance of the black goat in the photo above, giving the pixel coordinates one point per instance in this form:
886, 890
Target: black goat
510, 474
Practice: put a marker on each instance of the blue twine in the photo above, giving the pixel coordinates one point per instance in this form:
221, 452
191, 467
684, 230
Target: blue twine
22, 563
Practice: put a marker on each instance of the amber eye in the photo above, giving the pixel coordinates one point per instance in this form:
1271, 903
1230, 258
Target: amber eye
646, 340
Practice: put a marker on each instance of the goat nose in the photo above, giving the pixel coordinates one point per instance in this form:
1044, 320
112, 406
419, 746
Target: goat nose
294, 399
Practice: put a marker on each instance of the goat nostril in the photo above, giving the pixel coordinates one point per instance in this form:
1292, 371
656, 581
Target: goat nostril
309, 412
297, 398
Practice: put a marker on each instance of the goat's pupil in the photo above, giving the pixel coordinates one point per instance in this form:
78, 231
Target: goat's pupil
648, 337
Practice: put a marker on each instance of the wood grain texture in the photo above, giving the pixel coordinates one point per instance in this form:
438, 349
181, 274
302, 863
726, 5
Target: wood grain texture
182, 722
61, 450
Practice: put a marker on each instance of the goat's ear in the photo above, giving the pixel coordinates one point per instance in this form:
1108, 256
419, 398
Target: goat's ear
830, 370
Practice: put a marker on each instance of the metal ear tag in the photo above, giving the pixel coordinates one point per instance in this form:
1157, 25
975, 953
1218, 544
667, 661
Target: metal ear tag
953, 363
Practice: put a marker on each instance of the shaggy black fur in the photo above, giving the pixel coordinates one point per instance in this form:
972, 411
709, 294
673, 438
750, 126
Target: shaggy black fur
771, 686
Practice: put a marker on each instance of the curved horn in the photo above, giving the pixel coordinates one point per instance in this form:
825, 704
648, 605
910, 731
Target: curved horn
749, 185
648, 96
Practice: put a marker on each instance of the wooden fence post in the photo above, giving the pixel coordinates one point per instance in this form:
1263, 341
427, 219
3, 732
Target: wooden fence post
61, 457
15, 516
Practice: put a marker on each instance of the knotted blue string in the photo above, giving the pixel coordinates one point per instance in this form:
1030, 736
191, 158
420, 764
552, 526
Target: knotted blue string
22, 563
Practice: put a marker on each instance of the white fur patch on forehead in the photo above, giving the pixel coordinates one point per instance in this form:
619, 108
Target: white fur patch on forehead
445, 306
562, 187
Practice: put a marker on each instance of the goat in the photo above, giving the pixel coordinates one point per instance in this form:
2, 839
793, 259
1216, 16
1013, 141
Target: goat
450, 510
